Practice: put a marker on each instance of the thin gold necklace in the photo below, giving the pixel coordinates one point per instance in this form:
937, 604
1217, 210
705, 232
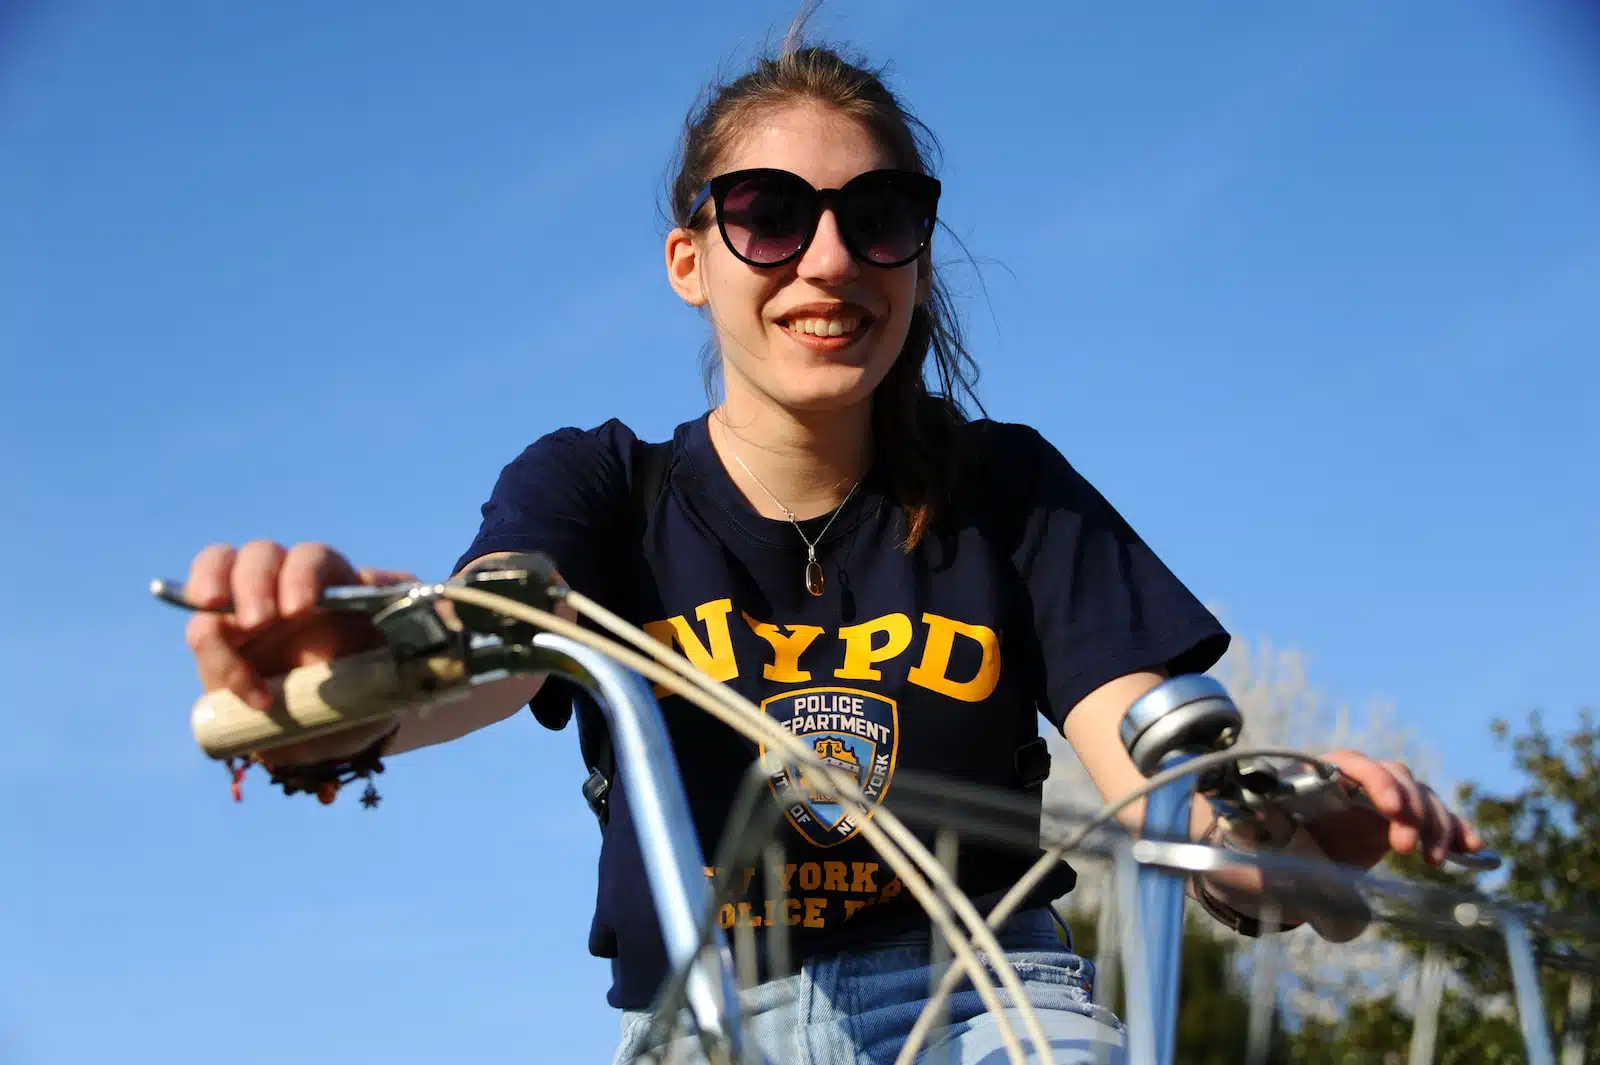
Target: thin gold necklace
813, 572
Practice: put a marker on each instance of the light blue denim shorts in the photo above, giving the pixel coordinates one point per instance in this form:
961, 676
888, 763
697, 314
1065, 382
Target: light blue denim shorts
857, 1008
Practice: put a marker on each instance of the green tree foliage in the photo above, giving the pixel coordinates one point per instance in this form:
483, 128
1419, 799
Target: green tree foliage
1378, 1032
1214, 1015
1548, 831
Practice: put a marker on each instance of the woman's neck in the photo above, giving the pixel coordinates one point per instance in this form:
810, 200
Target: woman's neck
808, 461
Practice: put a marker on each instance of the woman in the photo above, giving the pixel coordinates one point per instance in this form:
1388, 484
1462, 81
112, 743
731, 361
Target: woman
899, 586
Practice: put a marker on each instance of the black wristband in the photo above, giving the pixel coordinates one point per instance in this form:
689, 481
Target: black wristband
1226, 915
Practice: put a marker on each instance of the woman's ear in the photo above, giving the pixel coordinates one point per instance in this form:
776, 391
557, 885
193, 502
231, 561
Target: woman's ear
684, 268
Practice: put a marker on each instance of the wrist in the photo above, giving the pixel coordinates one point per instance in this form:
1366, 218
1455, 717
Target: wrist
1237, 897
1240, 899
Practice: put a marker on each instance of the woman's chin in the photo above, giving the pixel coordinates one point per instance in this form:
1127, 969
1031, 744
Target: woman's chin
835, 389
812, 384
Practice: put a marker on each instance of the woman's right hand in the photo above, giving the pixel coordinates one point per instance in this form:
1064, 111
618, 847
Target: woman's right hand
275, 626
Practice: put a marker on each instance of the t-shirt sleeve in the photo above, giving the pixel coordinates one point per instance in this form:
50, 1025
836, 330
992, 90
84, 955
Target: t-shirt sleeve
565, 495
1104, 605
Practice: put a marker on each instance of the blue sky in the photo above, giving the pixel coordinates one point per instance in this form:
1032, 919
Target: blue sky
1309, 290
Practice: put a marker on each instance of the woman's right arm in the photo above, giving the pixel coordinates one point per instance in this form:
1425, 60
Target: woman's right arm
565, 494
275, 626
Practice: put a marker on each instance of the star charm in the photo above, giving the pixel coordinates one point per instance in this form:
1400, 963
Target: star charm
370, 798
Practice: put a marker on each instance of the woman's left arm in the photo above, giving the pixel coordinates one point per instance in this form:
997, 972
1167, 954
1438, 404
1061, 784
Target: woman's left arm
1411, 816
1109, 621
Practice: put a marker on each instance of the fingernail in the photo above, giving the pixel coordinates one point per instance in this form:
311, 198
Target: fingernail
260, 698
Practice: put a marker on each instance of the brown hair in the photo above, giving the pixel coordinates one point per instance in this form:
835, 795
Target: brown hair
913, 425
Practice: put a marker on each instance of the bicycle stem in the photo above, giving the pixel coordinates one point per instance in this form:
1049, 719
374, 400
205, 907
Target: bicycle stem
1161, 895
1174, 723
673, 862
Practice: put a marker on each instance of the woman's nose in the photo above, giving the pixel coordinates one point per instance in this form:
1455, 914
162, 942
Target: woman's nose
827, 259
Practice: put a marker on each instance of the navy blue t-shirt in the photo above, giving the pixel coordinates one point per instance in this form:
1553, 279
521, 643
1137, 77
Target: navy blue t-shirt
1031, 593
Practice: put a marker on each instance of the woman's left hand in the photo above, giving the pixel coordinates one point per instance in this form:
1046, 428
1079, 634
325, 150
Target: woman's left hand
1411, 817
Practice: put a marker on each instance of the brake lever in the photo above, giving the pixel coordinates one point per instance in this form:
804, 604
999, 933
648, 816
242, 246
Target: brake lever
403, 613
406, 616
528, 578
352, 598
1264, 793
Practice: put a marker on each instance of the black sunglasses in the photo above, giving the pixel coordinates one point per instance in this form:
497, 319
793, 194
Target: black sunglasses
768, 217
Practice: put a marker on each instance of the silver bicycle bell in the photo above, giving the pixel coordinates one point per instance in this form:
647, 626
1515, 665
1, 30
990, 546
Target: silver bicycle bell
1192, 714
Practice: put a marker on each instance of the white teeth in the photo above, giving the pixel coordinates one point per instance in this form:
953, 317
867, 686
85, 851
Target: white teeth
824, 327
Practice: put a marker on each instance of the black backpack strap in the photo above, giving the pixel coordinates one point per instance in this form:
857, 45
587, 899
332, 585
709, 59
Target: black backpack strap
1002, 518
651, 464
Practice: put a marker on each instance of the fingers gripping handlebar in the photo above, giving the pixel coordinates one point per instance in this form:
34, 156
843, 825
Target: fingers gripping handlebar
423, 664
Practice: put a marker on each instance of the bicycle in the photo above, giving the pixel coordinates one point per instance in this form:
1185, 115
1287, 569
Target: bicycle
1182, 736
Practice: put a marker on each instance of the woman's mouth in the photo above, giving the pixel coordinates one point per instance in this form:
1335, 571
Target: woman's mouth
829, 333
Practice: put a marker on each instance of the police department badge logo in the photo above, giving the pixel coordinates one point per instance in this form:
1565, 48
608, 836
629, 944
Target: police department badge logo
853, 731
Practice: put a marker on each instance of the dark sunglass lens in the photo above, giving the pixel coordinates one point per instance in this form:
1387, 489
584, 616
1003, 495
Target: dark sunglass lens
766, 218
887, 222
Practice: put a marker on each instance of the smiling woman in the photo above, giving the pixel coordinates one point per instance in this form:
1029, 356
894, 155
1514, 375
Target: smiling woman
808, 144
898, 584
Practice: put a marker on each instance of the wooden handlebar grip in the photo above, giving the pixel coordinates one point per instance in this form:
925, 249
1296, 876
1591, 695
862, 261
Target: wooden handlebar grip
320, 699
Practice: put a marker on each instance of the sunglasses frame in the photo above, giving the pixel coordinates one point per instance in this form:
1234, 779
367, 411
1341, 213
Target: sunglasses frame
922, 186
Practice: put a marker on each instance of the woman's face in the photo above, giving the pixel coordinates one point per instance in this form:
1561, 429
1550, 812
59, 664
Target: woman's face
768, 319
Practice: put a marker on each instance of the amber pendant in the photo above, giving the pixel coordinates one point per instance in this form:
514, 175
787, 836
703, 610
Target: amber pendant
814, 577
